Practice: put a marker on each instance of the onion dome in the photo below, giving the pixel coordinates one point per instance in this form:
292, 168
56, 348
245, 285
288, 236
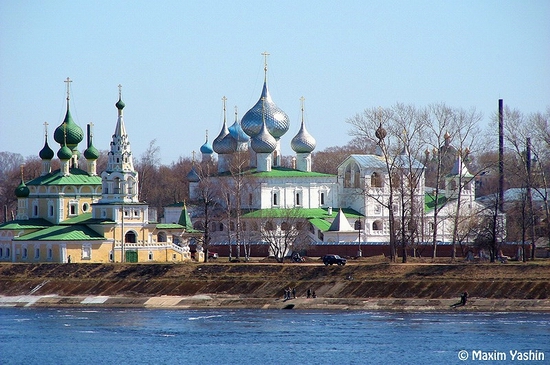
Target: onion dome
224, 142
120, 104
91, 153
193, 176
73, 132
206, 148
64, 153
22, 191
276, 119
263, 142
303, 142
236, 131
46, 153
380, 132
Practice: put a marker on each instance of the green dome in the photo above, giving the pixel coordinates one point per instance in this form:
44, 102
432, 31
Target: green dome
74, 132
120, 104
46, 153
22, 191
91, 153
64, 153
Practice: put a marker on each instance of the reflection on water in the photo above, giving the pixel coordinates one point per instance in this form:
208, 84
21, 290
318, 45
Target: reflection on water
140, 336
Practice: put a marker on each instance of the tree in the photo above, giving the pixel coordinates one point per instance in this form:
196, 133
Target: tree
284, 230
369, 125
147, 168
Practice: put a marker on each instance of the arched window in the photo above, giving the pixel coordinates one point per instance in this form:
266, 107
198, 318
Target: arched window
376, 180
356, 177
161, 237
130, 237
117, 186
453, 185
347, 177
232, 226
269, 226
357, 225
322, 198
221, 227
377, 225
285, 226
275, 200
311, 228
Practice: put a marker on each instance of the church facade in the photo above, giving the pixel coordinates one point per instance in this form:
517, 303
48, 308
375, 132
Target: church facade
76, 215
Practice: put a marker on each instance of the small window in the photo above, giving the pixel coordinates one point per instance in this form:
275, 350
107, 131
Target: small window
136, 213
1, 252
73, 208
85, 207
150, 257
377, 226
50, 210
111, 258
25, 252
36, 253
86, 253
269, 226
221, 227
50, 254
35, 210
298, 200
7, 252
322, 198
249, 198
275, 199
377, 209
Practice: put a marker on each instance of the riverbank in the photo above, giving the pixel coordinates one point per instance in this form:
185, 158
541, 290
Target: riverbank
358, 285
234, 302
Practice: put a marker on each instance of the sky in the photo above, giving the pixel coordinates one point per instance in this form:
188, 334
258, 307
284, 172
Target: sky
176, 60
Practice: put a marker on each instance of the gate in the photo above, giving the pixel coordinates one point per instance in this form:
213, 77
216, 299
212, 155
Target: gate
131, 256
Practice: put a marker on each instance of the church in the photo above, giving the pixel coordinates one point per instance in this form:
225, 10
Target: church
77, 215
257, 207
243, 200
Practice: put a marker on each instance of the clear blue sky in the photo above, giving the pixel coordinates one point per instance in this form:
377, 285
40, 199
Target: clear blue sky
177, 59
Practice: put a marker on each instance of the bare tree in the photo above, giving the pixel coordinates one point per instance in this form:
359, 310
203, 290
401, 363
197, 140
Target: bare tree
147, 168
283, 229
369, 125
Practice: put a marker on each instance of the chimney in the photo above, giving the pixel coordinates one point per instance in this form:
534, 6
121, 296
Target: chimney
500, 155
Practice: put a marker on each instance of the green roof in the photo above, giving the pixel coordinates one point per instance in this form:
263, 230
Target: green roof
169, 226
75, 232
287, 172
320, 223
85, 218
76, 177
308, 213
430, 201
280, 172
37, 223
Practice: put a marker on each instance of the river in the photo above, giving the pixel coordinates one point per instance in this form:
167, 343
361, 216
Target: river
247, 337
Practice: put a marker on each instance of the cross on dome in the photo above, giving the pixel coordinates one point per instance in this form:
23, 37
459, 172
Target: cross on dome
68, 82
